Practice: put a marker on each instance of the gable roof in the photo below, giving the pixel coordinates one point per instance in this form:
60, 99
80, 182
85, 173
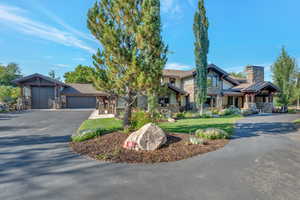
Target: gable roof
36, 75
82, 89
185, 74
178, 73
176, 89
255, 87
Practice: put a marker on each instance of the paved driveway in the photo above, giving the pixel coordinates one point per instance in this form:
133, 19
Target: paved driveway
261, 162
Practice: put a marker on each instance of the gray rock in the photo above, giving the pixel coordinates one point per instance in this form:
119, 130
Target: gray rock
150, 137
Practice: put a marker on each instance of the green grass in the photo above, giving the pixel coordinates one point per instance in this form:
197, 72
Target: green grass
297, 121
109, 124
97, 127
225, 123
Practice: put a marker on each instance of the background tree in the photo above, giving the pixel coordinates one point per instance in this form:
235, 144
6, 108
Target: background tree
201, 50
81, 74
154, 51
297, 89
9, 73
284, 76
238, 74
118, 64
52, 74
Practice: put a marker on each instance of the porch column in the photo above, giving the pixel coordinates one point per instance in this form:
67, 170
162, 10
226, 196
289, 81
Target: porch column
246, 104
219, 102
253, 98
233, 100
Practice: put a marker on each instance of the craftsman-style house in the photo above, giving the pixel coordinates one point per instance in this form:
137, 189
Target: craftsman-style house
41, 92
224, 90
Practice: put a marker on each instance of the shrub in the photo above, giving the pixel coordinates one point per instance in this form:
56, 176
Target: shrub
9, 95
139, 119
212, 134
230, 111
196, 140
180, 115
87, 134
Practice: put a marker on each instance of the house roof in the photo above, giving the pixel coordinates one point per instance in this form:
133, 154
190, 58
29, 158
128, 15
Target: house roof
36, 75
178, 73
260, 86
185, 74
176, 89
82, 89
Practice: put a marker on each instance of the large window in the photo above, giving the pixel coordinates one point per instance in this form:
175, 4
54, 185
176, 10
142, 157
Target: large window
212, 81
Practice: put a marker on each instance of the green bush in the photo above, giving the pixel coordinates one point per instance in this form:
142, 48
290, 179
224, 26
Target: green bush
9, 94
230, 111
180, 115
139, 119
87, 134
212, 134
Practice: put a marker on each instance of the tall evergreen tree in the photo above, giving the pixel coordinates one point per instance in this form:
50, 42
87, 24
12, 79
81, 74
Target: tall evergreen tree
52, 74
284, 76
154, 51
120, 68
200, 28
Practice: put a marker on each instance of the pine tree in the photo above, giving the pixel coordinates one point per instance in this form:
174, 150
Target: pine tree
153, 51
124, 28
200, 28
284, 76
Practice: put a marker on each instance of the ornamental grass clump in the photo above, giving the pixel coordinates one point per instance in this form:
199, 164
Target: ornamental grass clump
87, 134
212, 134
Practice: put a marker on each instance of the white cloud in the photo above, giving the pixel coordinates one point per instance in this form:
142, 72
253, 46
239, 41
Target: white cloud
14, 17
178, 66
79, 59
59, 21
63, 65
171, 7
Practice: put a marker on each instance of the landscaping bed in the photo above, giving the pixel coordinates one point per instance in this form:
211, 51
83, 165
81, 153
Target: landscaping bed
109, 148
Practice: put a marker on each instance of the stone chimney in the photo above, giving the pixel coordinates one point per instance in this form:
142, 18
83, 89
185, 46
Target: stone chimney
255, 74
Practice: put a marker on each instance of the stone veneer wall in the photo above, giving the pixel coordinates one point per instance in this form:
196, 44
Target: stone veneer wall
255, 74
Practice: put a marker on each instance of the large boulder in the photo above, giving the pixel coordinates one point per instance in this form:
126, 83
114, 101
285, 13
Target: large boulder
150, 137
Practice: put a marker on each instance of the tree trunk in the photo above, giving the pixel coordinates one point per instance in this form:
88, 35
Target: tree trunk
128, 111
201, 109
298, 103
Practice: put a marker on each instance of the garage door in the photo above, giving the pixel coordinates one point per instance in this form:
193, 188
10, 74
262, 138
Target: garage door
40, 97
81, 102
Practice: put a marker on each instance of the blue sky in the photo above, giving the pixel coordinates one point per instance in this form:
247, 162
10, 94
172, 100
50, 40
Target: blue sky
41, 35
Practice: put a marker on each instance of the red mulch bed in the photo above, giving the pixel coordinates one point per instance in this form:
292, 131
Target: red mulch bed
109, 148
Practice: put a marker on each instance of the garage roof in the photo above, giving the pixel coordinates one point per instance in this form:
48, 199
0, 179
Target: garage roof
82, 89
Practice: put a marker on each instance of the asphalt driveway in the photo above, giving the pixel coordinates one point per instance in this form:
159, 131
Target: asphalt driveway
262, 162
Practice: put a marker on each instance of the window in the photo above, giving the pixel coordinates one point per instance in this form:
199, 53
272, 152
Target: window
172, 81
212, 81
164, 101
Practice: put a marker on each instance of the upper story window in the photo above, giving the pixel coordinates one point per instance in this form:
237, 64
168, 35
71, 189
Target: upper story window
172, 81
212, 81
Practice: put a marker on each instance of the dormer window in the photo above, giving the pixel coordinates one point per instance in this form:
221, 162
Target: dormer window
172, 81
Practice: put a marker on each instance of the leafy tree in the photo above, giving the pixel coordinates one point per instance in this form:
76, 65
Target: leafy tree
9, 73
82, 74
200, 28
52, 74
284, 76
297, 89
9, 94
154, 51
238, 74
119, 63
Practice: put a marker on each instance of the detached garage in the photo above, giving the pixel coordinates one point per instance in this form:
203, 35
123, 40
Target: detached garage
42, 92
39, 91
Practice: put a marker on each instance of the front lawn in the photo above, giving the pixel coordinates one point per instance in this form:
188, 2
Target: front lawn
225, 123
297, 121
108, 124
